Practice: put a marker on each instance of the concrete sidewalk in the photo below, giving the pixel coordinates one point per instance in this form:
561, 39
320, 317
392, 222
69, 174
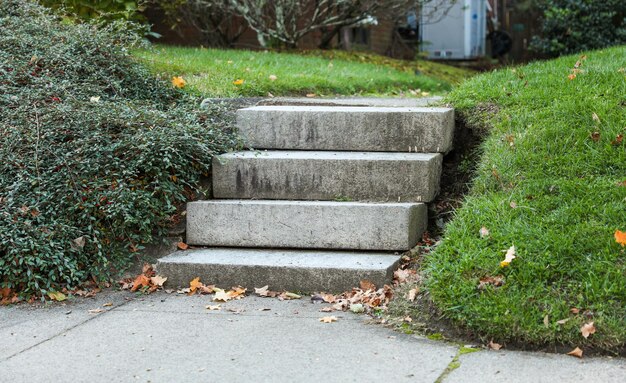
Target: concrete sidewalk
174, 338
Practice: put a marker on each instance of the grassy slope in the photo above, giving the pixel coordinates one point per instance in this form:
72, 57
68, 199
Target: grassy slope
212, 72
540, 155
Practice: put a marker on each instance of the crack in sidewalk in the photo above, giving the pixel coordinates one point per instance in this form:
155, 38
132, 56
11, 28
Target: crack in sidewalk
455, 362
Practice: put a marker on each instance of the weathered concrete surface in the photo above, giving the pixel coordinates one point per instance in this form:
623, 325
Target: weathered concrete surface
174, 338
293, 270
170, 338
384, 129
305, 224
402, 102
302, 175
522, 367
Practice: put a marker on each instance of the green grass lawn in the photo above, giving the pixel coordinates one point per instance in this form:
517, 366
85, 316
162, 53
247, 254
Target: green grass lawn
551, 182
212, 72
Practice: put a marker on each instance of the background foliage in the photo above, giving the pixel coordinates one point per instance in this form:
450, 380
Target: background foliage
95, 153
571, 26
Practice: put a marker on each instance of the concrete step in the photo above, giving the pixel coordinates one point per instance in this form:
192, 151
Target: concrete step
302, 175
292, 270
397, 102
352, 128
305, 224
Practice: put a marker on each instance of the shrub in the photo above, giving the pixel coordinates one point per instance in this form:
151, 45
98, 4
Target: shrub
571, 26
95, 153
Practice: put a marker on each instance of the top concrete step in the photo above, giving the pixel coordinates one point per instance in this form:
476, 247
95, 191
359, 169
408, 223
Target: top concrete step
347, 128
402, 102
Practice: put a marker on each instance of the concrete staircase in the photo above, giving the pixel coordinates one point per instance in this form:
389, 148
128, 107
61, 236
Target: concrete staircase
330, 196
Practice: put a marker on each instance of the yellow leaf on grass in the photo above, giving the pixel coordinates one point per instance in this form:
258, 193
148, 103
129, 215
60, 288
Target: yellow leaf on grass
620, 237
178, 82
273, 77
508, 257
239, 81
57, 296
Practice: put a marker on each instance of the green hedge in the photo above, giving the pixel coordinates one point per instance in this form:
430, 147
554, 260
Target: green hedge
95, 153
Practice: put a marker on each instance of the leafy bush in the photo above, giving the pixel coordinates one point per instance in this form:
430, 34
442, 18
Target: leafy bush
571, 26
108, 9
95, 153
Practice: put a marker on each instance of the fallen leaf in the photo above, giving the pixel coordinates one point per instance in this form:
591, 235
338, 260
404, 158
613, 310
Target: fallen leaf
571, 76
618, 139
273, 77
620, 237
577, 352
327, 309
206, 289
140, 281
496, 281
147, 270
238, 82
367, 285
286, 295
158, 280
237, 292
574, 310
562, 321
412, 294
405, 275
311, 95
546, 321
407, 319
588, 329
178, 82
508, 257
94, 99
182, 245
494, 346
265, 292
95, 311
595, 117
595, 136
484, 232
194, 284
513, 205
214, 307
329, 319
5, 292
57, 296
221, 295
108, 304
78, 243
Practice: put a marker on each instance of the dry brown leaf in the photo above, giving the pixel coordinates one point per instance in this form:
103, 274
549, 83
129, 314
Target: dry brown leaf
214, 307
147, 270
408, 319
595, 136
139, 282
206, 289
328, 298
286, 295
182, 245
108, 304
194, 284
405, 275
367, 285
494, 346
95, 311
265, 292
588, 329
513, 205
574, 310
237, 292
412, 294
577, 352
327, 309
158, 280
546, 321
496, 281
221, 296
328, 319
562, 321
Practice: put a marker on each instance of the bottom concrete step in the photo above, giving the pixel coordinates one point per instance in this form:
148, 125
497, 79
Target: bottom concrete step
293, 270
